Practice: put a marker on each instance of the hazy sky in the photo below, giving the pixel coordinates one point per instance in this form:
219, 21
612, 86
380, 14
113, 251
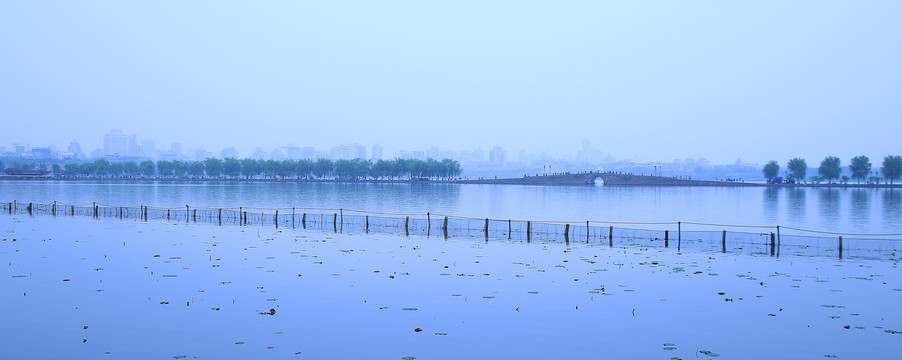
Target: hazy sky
648, 80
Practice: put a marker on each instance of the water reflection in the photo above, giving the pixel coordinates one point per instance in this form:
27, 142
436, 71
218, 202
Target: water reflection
860, 209
771, 204
828, 199
797, 204
892, 207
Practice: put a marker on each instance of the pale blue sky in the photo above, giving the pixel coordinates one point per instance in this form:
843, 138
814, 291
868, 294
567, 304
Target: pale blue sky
649, 80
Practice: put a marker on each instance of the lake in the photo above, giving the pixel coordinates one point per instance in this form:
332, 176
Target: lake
76, 287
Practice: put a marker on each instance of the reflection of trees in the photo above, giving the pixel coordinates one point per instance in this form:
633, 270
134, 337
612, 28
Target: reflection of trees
797, 203
829, 206
892, 206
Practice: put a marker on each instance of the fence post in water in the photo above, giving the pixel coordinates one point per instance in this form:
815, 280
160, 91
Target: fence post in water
407, 226
304, 220
486, 228
666, 238
341, 219
292, 218
73, 210
611, 236
528, 231
772, 241
220, 217
428, 224
53, 209
145, 212
445, 227
187, 213
367, 223
276, 219
840, 247
334, 222
94, 205
587, 231
723, 242
168, 211
778, 240
679, 235
567, 233
29, 208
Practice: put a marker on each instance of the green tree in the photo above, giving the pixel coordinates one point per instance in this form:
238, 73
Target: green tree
56, 168
892, 167
131, 168
304, 168
70, 169
179, 168
270, 168
860, 167
116, 169
797, 169
771, 170
147, 168
164, 168
213, 166
196, 168
322, 167
2, 165
231, 167
101, 167
287, 168
845, 179
249, 168
830, 169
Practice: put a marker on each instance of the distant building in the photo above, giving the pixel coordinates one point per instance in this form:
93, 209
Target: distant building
377, 152
20, 149
75, 149
432, 153
349, 152
276, 155
148, 147
43, 153
115, 143
497, 156
229, 153
201, 155
308, 153
293, 152
259, 154
175, 149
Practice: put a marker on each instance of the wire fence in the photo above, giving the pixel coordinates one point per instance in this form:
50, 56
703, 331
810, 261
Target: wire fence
761, 240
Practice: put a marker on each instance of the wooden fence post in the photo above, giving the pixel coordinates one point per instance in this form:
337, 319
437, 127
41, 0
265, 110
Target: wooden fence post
341, 220
509, 229
772, 241
723, 242
367, 223
53, 209
679, 235
445, 227
29, 209
276, 219
840, 247
587, 231
187, 213
304, 220
486, 228
334, 222
528, 231
567, 233
428, 224
220, 217
666, 238
611, 236
407, 226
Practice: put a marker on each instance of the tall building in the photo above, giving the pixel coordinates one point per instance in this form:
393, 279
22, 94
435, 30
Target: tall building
293, 152
229, 153
308, 153
432, 153
377, 152
75, 149
497, 156
175, 149
349, 152
115, 143
148, 147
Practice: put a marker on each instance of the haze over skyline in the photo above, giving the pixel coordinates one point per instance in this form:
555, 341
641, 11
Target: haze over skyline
650, 81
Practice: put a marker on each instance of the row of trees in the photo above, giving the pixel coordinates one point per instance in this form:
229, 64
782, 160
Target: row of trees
831, 169
252, 168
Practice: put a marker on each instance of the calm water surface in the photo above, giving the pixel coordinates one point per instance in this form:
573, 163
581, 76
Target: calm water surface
838, 210
74, 287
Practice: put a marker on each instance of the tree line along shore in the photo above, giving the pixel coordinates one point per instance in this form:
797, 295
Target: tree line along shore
830, 170
231, 168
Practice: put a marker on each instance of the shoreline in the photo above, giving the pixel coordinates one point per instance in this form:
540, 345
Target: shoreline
550, 180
